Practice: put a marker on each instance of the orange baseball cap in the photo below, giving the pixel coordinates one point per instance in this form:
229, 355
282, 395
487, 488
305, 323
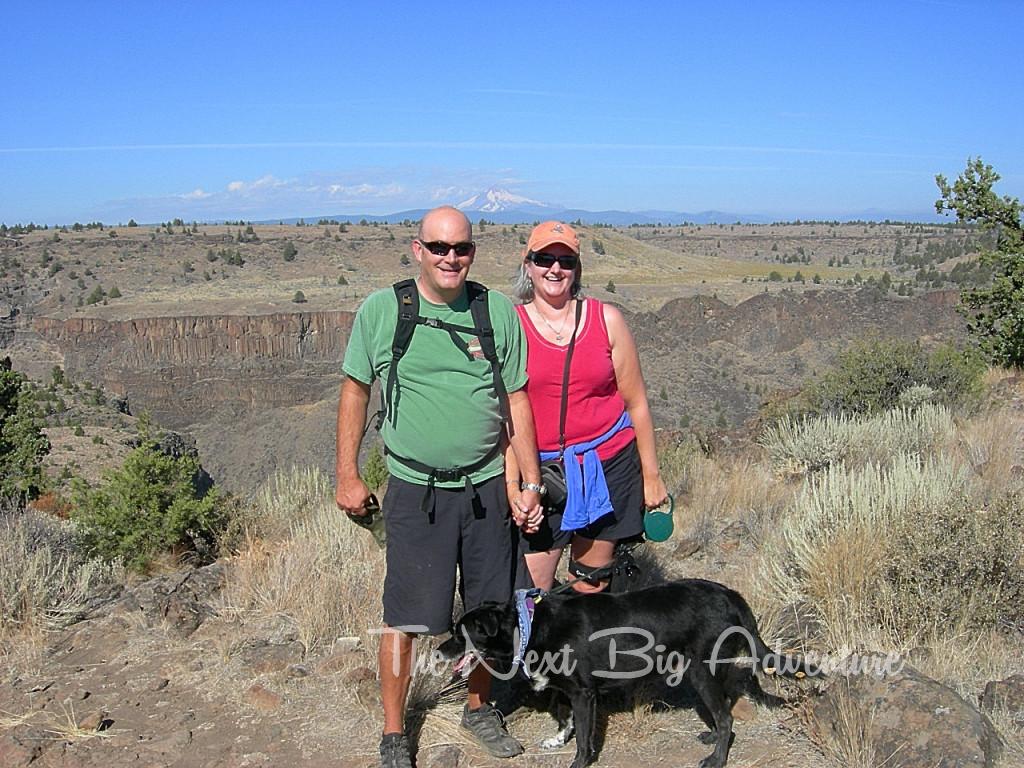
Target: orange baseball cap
551, 232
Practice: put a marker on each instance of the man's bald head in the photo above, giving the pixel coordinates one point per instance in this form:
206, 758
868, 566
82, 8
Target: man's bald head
445, 217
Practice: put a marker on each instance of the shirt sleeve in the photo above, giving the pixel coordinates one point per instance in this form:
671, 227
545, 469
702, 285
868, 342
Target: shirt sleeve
512, 354
360, 360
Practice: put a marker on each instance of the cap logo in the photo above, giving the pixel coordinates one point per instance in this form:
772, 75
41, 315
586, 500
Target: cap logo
557, 228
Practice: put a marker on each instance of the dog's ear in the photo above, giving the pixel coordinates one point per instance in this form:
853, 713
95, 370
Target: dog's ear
489, 622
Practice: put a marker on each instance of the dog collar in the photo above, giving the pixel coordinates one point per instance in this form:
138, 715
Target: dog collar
526, 601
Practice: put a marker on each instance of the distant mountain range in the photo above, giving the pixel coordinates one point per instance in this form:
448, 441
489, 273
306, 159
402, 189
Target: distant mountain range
504, 207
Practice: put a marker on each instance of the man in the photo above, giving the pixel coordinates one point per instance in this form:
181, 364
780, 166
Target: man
446, 504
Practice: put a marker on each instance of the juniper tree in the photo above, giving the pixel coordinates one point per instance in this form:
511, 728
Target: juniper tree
995, 313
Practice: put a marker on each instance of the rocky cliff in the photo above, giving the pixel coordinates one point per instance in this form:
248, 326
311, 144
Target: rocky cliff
259, 392
182, 369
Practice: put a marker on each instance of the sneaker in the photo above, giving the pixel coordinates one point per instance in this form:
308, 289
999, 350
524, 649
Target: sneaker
394, 751
488, 727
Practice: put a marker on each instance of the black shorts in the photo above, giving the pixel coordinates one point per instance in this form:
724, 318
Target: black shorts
471, 531
626, 520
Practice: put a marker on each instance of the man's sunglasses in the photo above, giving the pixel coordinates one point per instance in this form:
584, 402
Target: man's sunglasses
441, 248
546, 260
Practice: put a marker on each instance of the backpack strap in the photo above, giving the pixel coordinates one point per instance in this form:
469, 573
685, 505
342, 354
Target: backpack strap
485, 332
408, 299
408, 316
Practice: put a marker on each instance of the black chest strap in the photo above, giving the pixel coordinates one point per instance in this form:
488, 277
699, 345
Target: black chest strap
409, 318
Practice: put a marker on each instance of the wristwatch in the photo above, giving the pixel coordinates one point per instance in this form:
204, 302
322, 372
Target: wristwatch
533, 487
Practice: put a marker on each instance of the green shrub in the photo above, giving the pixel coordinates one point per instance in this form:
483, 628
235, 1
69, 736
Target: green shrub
22, 442
961, 565
831, 548
871, 375
813, 443
150, 505
375, 471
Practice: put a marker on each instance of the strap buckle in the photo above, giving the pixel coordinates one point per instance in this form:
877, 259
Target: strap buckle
447, 475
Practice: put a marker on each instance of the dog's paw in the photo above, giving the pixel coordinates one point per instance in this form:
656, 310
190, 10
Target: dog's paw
553, 742
710, 762
708, 737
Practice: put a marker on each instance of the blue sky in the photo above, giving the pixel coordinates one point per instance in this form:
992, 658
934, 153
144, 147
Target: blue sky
206, 110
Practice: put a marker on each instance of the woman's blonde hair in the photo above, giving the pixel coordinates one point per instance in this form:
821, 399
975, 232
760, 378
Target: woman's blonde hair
522, 285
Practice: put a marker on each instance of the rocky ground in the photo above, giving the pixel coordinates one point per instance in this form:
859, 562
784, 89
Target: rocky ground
165, 674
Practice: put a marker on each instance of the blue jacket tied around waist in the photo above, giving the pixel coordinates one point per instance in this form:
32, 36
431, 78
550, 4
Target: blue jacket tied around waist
587, 490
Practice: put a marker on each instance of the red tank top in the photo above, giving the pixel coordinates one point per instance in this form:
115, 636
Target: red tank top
594, 400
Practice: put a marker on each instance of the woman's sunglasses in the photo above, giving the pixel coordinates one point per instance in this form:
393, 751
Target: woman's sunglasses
546, 260
441, 248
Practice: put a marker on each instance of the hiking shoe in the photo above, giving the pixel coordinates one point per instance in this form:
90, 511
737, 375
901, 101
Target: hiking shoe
488, 727
394, 751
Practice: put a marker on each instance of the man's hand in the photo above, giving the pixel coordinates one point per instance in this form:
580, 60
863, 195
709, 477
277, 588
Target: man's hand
525, 507
351, 496
351, 493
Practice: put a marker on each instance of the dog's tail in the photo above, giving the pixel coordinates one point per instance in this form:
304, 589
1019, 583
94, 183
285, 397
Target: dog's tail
793, 665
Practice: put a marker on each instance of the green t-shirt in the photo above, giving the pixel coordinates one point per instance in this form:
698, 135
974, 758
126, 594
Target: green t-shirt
446, 412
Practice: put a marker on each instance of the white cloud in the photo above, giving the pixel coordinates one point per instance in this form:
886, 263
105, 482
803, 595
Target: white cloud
325, 193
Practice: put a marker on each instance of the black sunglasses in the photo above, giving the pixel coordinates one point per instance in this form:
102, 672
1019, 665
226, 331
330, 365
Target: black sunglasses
441, 248
546, 260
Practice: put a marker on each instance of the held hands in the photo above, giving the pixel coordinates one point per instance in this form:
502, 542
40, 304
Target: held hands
525, 507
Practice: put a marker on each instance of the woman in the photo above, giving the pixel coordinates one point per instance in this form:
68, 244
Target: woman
605, 387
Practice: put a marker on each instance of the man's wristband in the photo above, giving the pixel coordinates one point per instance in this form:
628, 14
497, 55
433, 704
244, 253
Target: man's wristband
539, 489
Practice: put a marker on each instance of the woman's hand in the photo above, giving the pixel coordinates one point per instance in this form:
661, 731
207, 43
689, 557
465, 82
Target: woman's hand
524, 515
655, 492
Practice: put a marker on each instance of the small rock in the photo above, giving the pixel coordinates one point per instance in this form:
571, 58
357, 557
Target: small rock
263, 659
298, 671
346, 645
264, 698
688, 546
1005, 694
94, 721
159, 684
732, 536
447, 756
744, 711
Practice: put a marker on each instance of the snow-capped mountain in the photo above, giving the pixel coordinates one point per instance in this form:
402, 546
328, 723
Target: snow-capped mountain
496, 199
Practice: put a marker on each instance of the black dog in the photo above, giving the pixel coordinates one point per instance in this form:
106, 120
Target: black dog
584, 646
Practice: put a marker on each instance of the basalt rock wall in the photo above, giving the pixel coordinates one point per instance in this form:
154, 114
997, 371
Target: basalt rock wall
182, 369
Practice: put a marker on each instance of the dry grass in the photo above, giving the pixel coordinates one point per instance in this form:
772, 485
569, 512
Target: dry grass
720, 490
811, 444
305, 559
991, 445
847, 742
45, 581
66, 726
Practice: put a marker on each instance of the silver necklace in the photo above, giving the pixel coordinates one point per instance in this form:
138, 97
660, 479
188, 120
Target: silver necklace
557, 331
